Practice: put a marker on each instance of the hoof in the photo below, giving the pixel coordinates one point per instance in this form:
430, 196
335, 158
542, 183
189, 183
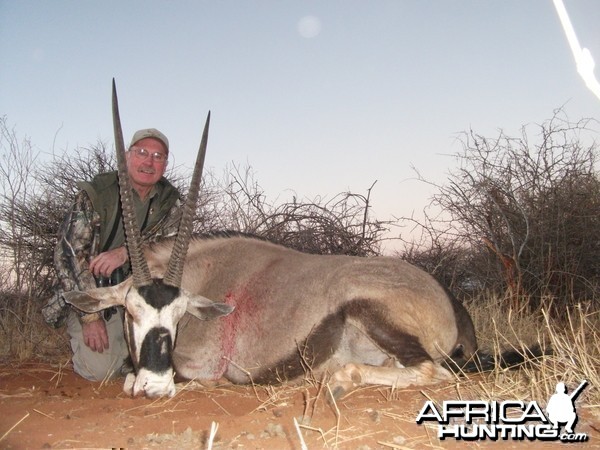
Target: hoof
128, 385
344, 381
335, 394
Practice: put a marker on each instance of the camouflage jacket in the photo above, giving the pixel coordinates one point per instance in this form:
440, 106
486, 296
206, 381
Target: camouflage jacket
94, 225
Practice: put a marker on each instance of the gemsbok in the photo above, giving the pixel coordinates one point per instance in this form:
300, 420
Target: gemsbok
250, 311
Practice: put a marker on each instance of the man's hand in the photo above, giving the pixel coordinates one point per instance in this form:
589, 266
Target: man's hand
95, 335
105, 263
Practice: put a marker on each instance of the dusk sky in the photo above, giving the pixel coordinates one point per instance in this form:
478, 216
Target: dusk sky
319, 97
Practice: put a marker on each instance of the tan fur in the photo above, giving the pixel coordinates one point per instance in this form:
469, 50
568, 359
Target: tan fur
295, 292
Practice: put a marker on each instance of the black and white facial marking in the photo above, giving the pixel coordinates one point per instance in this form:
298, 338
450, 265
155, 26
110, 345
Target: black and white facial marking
153, 312
155, 354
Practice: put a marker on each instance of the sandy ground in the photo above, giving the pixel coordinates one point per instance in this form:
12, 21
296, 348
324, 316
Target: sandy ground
44, 407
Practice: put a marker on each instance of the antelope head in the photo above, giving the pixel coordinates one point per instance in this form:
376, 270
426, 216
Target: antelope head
153, 306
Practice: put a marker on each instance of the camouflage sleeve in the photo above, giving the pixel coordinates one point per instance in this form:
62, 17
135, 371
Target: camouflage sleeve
166, 227
75, 246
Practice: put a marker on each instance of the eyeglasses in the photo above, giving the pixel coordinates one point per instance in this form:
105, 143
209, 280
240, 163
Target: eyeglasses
142, 153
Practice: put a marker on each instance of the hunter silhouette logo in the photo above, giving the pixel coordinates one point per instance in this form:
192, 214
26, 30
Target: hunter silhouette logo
561, 406
472, 420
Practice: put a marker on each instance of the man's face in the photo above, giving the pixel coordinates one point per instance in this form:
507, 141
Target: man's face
143, 168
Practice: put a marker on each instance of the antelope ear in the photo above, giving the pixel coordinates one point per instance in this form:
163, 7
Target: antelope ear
97, 299
205, 309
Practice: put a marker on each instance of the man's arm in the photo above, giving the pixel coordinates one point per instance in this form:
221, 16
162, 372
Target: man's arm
75, 245
71, 256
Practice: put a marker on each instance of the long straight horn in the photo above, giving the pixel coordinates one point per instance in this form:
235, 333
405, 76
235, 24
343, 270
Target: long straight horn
175, 268
139, 266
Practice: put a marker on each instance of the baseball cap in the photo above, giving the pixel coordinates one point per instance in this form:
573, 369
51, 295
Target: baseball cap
149, 133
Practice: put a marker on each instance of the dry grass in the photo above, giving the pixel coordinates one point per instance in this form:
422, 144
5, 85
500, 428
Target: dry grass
573, 340
23, 333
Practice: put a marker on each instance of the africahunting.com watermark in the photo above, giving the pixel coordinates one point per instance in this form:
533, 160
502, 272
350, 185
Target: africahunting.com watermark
472, 420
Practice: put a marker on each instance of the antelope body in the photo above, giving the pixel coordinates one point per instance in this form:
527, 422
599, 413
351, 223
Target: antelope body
252, 311
294, 312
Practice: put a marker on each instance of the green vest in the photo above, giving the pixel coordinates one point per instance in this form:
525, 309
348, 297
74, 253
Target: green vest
103, 192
